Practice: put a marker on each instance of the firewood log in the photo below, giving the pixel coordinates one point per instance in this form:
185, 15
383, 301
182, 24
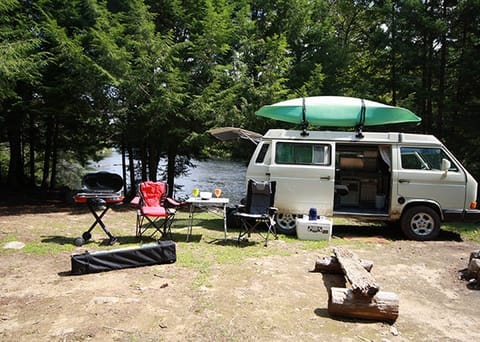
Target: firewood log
362, 282
331, 265
473, 271
384, 306
474, 255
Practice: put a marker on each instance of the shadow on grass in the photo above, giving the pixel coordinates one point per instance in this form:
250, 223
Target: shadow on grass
59, 240
233, 242
122, 240
387, 232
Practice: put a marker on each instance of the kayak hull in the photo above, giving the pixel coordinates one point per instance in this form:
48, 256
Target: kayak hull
337, 111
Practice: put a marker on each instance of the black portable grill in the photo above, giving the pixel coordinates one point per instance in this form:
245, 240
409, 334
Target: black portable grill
100, 191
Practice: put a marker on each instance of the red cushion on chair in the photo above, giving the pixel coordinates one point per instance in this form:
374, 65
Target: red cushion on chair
153, 193
154, 211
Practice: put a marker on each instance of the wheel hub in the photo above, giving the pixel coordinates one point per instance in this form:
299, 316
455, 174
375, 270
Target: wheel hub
422, 224
286, 223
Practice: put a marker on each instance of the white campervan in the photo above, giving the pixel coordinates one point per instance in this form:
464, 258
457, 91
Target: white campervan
410, 178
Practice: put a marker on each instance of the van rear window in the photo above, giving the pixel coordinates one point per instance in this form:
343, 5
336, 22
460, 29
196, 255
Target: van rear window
261, 155
302, 153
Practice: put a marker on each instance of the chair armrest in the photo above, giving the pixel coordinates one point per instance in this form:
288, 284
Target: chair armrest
240, 208
272, 210
135, 201
174, 203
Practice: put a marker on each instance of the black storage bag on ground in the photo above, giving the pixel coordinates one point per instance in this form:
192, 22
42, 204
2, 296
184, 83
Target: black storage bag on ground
163, 252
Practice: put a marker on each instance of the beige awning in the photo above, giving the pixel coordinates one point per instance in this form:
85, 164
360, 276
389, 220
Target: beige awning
234, 133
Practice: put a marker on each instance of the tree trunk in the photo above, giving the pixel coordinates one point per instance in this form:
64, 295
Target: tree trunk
32, 147
383, 306
13, 124
171, 158
153, 161
48, 151
144, 161
15, 166
131, 167
53, 177
441, 76
393, 66
428, 71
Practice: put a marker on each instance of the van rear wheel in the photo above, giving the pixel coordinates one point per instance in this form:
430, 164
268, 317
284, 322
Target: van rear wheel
286, 224
420, 223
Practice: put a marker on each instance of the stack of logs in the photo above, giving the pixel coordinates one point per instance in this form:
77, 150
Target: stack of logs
364, 299
472, 273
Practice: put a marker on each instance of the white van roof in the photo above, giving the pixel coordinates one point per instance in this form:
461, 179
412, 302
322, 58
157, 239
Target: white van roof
368, 137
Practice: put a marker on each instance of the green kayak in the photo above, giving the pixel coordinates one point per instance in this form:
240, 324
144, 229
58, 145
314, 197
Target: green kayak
337, 111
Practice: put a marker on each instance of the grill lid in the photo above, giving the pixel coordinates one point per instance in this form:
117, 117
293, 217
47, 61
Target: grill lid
102, 182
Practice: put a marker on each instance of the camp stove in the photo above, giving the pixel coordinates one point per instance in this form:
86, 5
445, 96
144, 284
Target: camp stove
100, 191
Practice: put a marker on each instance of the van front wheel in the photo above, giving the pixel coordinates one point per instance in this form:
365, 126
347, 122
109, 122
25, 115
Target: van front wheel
286, 224
420, 223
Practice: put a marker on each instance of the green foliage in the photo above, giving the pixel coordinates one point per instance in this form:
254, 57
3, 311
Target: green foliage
468, 231
4, 159
154, 76
18, 41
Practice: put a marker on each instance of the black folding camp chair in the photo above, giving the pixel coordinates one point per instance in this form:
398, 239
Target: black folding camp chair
258, 210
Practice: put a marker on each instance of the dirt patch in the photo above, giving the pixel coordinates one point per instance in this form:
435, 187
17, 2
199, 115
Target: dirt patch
263, 298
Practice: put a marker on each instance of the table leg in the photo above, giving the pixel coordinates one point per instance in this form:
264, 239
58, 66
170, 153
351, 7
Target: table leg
225, 220
190, 218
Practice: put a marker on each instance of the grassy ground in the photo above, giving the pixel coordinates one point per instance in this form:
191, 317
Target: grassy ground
218, 290
207, 234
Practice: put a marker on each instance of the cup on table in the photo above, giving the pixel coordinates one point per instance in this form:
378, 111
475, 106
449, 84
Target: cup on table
217, 192
196, 192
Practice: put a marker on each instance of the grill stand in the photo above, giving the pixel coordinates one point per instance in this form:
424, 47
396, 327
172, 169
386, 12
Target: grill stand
94, 204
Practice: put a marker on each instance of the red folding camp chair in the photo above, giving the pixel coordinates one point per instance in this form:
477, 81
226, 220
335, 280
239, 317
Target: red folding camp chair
155, 210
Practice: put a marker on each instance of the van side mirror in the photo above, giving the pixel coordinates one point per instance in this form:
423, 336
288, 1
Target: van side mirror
446, 164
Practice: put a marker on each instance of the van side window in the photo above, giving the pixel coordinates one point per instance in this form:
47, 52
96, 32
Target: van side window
417, 158
261, 155
302, 153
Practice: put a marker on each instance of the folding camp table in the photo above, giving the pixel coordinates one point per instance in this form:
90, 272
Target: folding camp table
195, 202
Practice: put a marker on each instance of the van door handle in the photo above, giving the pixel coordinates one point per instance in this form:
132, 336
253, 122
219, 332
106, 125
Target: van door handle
267, 174
325, 178
403, 181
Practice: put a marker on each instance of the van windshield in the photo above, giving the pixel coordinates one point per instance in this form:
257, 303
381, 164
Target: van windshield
424, 158
302, 153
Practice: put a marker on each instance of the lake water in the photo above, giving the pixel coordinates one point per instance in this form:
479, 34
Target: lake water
207, 175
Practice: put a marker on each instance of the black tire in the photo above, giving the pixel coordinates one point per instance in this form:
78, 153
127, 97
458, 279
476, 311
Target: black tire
285, 224
420, 223
86, 236
79, 241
